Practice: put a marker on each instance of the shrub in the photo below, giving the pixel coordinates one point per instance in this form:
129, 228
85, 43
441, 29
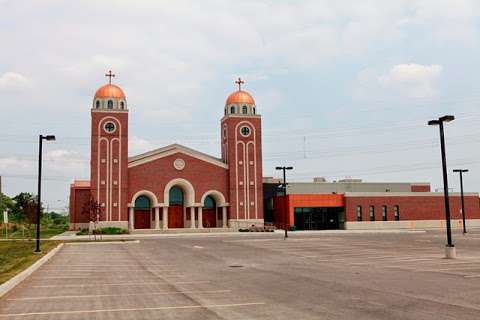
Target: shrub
112, 230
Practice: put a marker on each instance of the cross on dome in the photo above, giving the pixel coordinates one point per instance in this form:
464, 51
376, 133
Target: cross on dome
110, 75
239, 82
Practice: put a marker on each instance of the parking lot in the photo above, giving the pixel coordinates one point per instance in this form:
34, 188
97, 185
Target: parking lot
307, 276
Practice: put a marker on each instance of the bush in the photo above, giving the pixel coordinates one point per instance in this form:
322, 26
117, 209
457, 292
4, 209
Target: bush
112, 230
82, 232
244, 230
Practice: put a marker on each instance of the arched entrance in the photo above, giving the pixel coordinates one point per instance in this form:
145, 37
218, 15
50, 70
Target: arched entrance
175, 210
209, 212
142, 213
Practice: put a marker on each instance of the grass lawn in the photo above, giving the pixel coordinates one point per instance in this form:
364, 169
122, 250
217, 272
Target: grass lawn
45, 232
17, 255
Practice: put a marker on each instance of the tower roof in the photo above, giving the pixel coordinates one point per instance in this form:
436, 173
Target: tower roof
110, 91
240, 96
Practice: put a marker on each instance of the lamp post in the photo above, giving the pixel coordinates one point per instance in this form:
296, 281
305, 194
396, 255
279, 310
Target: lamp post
284, 169
39, 192
450, 248
461, 171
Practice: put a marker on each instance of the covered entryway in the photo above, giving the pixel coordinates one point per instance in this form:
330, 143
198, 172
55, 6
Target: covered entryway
176, 208
209, 213
142, 213
317, 218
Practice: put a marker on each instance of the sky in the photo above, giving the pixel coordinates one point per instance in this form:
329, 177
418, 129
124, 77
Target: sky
345, 88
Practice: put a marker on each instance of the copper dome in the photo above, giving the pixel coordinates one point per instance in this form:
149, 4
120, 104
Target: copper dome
240, 97
110, 91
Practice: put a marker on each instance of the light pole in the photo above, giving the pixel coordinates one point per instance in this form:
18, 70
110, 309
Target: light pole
39, 192
450, 248
284, 169
461, 171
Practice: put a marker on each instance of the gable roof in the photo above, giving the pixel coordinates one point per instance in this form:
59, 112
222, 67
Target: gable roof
172, 149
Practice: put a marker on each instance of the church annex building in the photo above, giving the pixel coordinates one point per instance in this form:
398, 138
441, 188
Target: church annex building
176, 187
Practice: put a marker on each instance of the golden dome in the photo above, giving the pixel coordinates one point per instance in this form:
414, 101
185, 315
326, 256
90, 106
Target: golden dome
240, 97
110, 91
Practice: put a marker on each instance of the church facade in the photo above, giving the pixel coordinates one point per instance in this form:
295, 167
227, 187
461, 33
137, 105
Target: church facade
172, 187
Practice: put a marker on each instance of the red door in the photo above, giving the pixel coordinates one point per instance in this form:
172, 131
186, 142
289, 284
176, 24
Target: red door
175, 216
209, 218
142, 219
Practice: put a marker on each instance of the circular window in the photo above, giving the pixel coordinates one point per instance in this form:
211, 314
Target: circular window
179, 164
245, 131
109, 127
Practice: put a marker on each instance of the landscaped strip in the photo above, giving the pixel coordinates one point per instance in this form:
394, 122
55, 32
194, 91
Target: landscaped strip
17, 255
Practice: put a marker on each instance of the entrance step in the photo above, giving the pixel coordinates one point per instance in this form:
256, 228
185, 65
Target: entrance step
181, 230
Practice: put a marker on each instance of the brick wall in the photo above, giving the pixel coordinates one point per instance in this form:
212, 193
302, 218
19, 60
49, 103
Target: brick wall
427, 207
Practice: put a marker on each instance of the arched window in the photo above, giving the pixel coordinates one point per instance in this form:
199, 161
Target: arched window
254, 112
209, 203
372, 213
225, 111
122, 105
176, 196
232, 109
384, 213
359, 213
244, 110
142, 203
396, 213
110, 104
97, 104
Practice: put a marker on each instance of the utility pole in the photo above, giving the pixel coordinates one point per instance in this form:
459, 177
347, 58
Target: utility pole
450, 248
285, 207
461, 171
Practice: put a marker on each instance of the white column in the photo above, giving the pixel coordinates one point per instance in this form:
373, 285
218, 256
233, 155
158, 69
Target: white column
131, 223
192, 217
157, 218
224, 217
200, 218
165, 218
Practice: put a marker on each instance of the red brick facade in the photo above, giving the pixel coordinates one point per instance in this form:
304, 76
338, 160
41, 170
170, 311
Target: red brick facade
414, 207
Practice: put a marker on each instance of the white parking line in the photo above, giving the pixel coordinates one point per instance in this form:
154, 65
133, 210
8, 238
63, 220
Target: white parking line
121, 295
133, 284
132, 309
94, 277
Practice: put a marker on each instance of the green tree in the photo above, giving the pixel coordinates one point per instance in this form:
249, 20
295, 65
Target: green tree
6, 203
23, 207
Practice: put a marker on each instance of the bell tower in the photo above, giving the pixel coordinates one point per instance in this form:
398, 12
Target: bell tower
109, 153
241, 138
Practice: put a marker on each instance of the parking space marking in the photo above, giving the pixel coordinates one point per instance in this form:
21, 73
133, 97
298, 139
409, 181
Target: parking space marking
121, 295
232, 305
133, 284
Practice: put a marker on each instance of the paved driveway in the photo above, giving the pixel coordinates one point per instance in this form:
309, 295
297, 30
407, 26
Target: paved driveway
370, 276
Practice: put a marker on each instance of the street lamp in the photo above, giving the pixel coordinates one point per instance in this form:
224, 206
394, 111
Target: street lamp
39, 193
450, 248
284, 169
461, 171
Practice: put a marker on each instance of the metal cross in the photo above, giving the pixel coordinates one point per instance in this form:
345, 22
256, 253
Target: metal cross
239, 82
110, 75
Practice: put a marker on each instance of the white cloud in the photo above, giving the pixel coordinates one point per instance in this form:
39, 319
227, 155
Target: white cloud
13, 81
138, 145
399, 81
413, 80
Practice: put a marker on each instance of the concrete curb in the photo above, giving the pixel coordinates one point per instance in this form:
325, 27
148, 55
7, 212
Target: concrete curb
12, 283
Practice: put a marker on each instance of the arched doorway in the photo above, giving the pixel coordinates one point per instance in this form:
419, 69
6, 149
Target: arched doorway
209, 217
142, 213
175, 210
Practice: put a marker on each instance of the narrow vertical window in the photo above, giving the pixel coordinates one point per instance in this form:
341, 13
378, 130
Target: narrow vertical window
384, 213
396, 213
232, 109
254, 111
244, 110
110, 104
97, 104
122, 105
359, 213
372, 213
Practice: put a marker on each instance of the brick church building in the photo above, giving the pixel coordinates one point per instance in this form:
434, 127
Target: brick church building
173, 186
176, 187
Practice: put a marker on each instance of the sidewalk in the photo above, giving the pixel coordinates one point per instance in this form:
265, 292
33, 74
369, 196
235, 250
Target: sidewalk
71, 235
